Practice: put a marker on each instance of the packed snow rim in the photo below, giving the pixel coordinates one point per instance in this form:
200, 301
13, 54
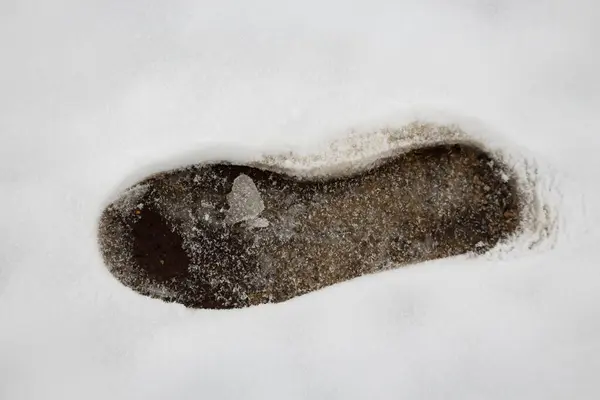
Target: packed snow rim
363, 148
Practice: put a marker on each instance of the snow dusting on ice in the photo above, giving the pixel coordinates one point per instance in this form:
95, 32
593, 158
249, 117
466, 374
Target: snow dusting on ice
97, 95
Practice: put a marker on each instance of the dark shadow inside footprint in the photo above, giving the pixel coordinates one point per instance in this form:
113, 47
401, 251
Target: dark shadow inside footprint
228, 236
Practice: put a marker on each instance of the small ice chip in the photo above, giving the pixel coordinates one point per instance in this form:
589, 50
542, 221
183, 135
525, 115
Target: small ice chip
244, 201
258, 223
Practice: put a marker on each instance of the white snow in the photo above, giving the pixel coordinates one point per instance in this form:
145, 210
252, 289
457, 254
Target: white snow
96, 95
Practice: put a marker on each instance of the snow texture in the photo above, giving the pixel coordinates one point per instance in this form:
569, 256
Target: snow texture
97, 95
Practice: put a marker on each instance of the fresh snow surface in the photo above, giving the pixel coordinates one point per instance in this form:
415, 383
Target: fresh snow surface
96, 95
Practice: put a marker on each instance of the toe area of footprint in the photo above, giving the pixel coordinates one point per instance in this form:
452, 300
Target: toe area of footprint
222, 236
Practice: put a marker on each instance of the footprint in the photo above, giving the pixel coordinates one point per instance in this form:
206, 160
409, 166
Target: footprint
229, 236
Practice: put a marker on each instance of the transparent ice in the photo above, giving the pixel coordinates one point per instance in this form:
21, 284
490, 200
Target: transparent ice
244, 201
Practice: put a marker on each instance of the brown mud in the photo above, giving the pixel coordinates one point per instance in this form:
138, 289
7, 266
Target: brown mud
194, 237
